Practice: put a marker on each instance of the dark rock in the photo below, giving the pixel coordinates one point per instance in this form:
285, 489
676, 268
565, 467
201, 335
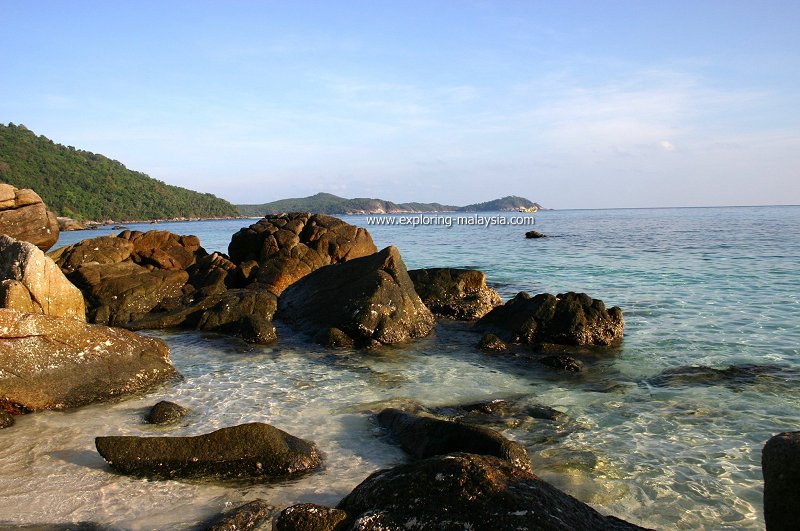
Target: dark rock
467, 491
6, 419
534, 234
254, 450
491, 342
165, 412
780, 464
425, 437
251, 515
58, 362
734, 376
565, 319
310, 517
246, 313
289, 246
334, 338
455, 293
24, 216
562, 362
119, 227
370, 299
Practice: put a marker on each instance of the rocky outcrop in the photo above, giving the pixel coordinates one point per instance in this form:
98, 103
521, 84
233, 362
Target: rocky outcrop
289, 246
370, 300
68, 224
254, 450
309, 517
566, 319
23, 216
466, 491
252, 515
455, 293
31, 282
425, 437
165, 412
58, 363
780, 464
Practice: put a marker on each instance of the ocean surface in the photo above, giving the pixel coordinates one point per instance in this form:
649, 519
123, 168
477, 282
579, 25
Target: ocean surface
715, 287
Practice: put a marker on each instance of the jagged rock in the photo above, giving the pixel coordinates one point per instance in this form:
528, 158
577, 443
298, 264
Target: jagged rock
23, 216
780, 464
51, 362
455, 293
246, 313
253, 450
491, 342
163, 249
289, 246
425, 437
562, 362
251, 515
566, 319
309, 517
370, 299
466, 491
31, 282
165, 412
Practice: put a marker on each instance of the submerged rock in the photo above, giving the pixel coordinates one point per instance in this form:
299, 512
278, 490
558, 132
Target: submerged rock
466, 491
369, 299
24, 216
288, 247
565, 319
251, 515
254, 450
455, 293
309, 517
492, 343
51, 362
425, 437
562, 362
780, 463
734, 376
165, 412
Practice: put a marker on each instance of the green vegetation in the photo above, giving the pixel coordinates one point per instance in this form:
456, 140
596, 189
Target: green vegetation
87, 186
332, 204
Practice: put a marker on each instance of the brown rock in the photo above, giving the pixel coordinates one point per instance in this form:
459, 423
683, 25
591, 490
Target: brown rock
51, 362
104, 250
24, 216
455, 293
309, 517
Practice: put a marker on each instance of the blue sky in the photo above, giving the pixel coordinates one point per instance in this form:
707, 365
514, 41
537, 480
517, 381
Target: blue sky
571, 104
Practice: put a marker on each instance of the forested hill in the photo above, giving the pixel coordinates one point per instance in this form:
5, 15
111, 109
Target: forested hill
87, 186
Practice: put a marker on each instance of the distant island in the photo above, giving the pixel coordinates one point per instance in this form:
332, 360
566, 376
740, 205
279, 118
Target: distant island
331, 204
86, 186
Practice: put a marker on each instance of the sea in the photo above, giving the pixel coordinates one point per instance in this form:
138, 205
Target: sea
712, 294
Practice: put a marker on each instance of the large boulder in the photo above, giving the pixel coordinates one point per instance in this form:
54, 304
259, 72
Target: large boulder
104, 250
51, 362
466, 491
31, 282
369, 300
455, 293
565, 319
252, 515
780, 464
309, 517
425, 437
289, 246
254, 450
24, 216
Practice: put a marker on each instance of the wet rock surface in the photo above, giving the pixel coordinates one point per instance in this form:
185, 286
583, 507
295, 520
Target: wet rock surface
310, 517
455, 293
780, 463
254, 450
165, 412
252, 515
369, 300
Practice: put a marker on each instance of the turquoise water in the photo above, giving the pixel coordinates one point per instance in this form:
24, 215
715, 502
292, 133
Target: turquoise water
707, 286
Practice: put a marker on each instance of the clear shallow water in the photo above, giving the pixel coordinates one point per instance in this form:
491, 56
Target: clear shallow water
713, 286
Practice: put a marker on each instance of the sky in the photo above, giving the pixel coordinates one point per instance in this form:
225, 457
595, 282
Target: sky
590, 104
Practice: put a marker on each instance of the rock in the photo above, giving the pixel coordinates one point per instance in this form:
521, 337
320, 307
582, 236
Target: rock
490, 342
425, 437
6, 419
466, 491
562, 362
163, 249
104, 250
455, 293
51, 362
565, 319
31, 282
534, 234
289, 246
253, 450
165, 412
309, 517
734, 376
68, 224
23, 216
246, 313
780, 464
370, 299
251, 515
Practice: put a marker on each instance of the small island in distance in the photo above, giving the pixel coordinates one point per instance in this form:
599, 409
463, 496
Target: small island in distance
325, 203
